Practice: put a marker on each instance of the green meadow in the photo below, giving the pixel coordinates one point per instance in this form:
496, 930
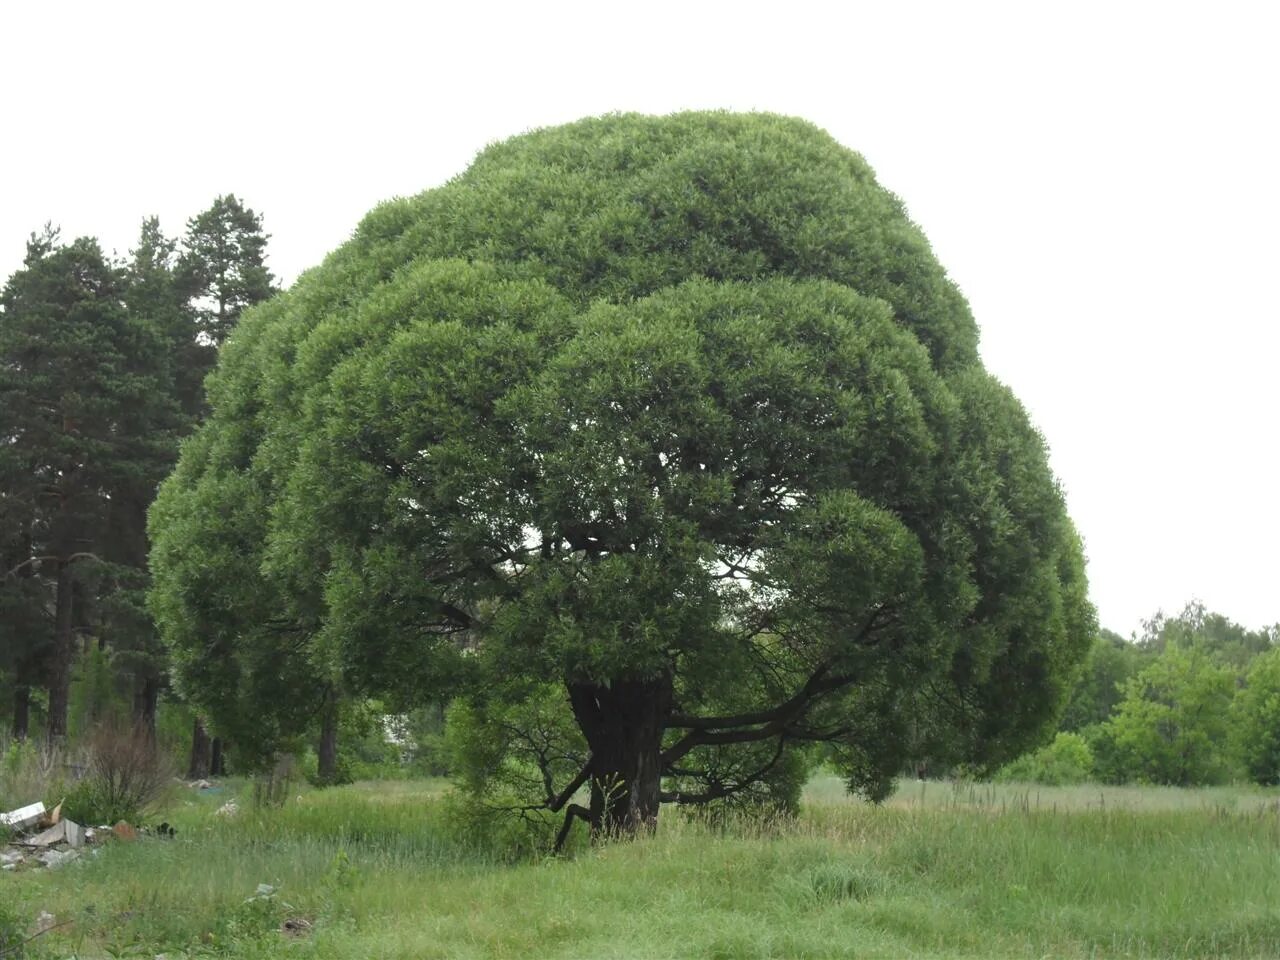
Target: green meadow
941, 870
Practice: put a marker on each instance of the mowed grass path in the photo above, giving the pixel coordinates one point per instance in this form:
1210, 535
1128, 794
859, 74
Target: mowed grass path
938, 872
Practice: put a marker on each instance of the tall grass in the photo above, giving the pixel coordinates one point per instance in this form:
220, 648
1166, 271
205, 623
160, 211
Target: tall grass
31, 771
376, 871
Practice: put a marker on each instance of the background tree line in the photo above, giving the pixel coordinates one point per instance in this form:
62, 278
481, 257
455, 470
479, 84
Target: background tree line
1193, 700
102, 362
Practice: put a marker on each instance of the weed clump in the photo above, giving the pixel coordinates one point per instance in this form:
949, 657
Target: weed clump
125, 777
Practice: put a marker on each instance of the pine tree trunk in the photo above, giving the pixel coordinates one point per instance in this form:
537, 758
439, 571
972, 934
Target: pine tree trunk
327, 749
21, 711
623, 723
63, 653
146, 698
201, 750
217, 766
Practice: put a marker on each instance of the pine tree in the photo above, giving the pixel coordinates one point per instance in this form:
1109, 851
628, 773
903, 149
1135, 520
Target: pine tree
67, 392
164, 352
222, 268
221, 272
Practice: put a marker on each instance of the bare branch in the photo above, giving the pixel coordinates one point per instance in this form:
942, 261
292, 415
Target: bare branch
574, 810
556, 803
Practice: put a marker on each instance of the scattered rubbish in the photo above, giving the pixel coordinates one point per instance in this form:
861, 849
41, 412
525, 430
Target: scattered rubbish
296, 927
264, 890
228, 809
200, 785
55, 815
56, 858
52, 840
45, 922
23, 818
63, 831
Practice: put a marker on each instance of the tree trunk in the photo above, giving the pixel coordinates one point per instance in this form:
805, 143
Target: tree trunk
198, 769
623, 723
63, 653
21, 711
217, 766
327, 749
146, 697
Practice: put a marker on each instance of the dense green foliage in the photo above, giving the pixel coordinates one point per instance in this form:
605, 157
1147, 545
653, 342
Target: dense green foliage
1173, 724
677, 416
1111, 661
1257, 718
1066, 759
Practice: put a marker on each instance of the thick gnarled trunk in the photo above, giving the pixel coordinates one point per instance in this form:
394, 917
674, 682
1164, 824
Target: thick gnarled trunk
623, 723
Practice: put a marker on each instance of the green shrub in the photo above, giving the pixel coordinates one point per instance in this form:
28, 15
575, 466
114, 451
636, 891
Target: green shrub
13, 936
1108, 761
1067, 759
125, 778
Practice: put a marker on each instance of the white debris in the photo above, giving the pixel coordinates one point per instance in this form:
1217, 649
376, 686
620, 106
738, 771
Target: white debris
23, 817
56, 858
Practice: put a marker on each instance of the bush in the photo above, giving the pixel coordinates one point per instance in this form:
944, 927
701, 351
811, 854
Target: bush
1108, 761
125, 778
1067, 759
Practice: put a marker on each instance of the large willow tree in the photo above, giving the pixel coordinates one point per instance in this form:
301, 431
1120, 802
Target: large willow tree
663, 440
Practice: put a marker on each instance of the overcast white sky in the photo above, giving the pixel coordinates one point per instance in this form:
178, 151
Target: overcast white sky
1099, 179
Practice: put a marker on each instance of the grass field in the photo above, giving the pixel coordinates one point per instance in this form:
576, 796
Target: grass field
371, 870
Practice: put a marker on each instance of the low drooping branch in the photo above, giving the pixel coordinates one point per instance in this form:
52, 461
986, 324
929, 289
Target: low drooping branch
725, 729
801, 697
575, 810
721, 788
557, 802
763, 725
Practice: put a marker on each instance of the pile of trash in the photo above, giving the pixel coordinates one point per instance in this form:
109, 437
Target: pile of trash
40, 837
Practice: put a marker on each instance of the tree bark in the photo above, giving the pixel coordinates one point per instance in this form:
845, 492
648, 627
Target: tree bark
146, 697
623, 723
327, 749
201, 752
217, 755
21, 711
63, 653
